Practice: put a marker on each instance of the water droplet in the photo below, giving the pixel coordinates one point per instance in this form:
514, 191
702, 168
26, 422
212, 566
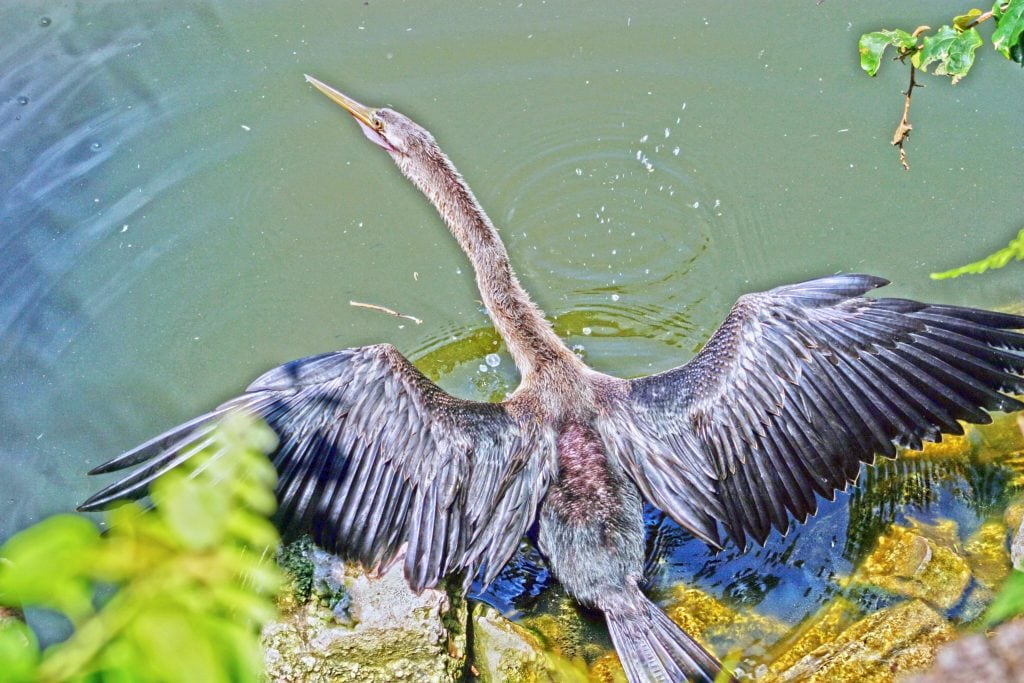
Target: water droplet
23, 100
615, 297
579, 171
482, 368
45, 21
493, 360
96, 146
587, 331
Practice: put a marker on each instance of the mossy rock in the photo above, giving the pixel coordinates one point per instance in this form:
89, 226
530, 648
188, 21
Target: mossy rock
916, 563
876, 649
366, 630
504, 652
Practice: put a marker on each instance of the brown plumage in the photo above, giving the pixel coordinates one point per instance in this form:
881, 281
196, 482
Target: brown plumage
799, 387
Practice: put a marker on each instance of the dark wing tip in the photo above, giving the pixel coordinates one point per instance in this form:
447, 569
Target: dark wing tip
829, 290
112, 465
99, 501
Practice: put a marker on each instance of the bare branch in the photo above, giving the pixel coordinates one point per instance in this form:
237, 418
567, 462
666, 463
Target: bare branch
389, 311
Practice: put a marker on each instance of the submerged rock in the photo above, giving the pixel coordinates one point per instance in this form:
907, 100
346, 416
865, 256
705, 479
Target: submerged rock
715, 624
875, 649
567, 634
987, 554
607, 669
352, 627
817, 632
917, 563
503, 651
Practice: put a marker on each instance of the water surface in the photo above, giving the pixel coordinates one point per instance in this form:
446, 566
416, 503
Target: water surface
181, 211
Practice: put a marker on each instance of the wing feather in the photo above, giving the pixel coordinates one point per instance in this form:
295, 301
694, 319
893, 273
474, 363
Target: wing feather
373, 456
799, 387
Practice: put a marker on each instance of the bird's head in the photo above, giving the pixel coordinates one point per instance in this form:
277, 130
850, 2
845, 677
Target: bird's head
399, 135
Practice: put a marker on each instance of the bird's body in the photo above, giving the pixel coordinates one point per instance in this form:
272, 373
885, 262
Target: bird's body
799, 387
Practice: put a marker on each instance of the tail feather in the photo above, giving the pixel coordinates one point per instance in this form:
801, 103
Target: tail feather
653, 649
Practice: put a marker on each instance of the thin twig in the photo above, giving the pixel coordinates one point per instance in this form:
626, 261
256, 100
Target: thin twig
981, 17
389, 311
904, 127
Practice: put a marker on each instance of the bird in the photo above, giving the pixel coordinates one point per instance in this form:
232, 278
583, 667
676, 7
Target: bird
799, 386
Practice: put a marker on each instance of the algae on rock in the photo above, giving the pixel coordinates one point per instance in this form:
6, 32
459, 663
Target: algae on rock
916, 563
875, 649
504, 651
368, 630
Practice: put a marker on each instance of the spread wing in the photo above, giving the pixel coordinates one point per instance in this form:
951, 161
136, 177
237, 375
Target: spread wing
373, 456
797, 388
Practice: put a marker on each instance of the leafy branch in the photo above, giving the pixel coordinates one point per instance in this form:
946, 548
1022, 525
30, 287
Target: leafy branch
949, 51
195, 576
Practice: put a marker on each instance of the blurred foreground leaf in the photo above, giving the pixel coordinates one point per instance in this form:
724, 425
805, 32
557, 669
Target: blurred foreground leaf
1014, 250
1008, 603
194, 576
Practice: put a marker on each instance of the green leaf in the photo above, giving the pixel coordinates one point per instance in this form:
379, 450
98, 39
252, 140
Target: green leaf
194, 577
1007, 38
952, 49
195, 510
19, 652
47, 565
872, 45
253, 531
1009, 602
175, 646
1014, 250
964, 20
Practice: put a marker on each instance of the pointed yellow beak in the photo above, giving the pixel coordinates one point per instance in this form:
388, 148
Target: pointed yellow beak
361, 112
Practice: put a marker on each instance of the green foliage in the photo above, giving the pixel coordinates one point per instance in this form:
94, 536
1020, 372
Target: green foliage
872, 47
1008, 603
1014, 250
1008, 37
294, 559
194, 576
951, 48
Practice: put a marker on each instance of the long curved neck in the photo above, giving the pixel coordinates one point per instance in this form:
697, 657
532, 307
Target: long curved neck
522, 325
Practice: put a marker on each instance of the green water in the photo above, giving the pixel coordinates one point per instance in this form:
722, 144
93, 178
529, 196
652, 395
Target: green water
181, 211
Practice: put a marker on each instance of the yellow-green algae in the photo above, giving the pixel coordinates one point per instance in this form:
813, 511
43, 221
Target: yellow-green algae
876, 649
567, 634
917, 563
818, 631
570, 637
987, 554
505, 651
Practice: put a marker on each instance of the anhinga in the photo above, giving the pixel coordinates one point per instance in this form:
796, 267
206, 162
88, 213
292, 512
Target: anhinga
798, 387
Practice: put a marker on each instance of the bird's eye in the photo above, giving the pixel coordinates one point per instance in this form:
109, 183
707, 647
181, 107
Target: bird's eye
378, 125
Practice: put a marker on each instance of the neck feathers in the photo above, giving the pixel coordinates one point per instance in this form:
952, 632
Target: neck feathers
522, 325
